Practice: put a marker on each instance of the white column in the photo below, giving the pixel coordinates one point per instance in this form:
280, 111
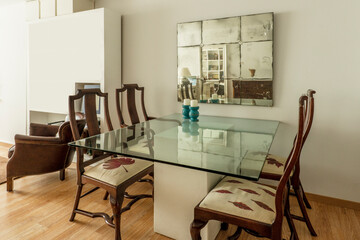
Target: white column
177, 191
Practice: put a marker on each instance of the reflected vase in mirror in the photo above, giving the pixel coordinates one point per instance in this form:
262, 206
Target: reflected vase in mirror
252, 72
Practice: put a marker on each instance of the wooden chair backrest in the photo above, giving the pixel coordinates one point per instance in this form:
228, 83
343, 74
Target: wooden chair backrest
283, 187
309, 116
131, 103
91, 119
309, 113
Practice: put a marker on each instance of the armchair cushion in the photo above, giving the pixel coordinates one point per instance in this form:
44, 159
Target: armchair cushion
242, 198
117, 170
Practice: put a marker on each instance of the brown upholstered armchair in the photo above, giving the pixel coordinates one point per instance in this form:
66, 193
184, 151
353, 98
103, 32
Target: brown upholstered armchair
45, 150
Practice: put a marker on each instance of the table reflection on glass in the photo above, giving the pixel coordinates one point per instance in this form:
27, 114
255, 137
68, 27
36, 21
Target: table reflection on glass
229, 146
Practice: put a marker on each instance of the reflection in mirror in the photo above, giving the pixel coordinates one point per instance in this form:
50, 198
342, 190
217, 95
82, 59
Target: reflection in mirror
225, 30
189, 34
256, 57
227, 61
257, 27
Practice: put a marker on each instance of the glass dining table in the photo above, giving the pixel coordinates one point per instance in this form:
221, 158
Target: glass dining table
189, 159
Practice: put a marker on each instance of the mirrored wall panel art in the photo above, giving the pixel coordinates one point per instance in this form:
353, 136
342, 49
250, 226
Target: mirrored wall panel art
227, 61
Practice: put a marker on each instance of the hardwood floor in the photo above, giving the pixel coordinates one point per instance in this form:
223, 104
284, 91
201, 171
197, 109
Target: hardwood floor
4, 148
40, 207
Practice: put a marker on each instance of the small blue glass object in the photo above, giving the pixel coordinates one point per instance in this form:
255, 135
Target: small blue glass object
194, 114
194, 129
214, 100
203, 101
186, 111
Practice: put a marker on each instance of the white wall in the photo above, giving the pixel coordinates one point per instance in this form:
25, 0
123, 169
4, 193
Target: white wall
12, 71
316, 46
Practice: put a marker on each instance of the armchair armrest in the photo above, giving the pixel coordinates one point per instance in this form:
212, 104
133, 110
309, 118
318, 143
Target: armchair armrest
36, 155
24, 139
11, 151
37, 129
31, 140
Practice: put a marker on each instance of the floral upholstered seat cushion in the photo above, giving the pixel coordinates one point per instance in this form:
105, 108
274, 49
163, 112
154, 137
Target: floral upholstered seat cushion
274, 164
242, 198
116, 170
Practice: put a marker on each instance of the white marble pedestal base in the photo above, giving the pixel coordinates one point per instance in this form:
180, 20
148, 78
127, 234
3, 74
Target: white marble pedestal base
177, 191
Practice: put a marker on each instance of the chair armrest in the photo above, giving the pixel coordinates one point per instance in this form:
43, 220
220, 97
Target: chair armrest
37, 129
11, 151
31, 147
38, 140
37, 155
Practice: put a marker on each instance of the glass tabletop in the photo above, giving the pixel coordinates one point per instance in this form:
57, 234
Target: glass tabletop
229, 146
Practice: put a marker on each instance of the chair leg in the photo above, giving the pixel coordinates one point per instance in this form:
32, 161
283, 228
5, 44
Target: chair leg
106, 195
304, 212
236, 234
224, 226
62, 174
306, 201
76, 203
291, 224
10, 184
289, 219
116, 208
195, 229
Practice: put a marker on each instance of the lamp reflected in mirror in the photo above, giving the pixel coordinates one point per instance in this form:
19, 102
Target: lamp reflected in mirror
185, 90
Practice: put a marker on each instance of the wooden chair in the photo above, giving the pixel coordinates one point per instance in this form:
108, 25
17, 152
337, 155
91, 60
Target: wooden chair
131, 104
130, 90
274, 167
108, 173
45, 150
257, 208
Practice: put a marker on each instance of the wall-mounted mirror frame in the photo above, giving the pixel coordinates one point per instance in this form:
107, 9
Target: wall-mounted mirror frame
227, 60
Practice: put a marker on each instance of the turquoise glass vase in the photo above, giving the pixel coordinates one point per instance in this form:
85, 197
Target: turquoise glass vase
194, 114
186, 111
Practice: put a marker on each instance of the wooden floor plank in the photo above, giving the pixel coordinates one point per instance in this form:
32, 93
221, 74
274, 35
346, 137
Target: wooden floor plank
4, 148
40, 208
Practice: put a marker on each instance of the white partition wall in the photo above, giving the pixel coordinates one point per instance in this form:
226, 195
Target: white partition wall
12, 71
70, 51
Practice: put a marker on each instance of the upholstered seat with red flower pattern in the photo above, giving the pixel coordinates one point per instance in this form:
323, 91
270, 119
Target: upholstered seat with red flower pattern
117, 170
274, 164
242, 198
